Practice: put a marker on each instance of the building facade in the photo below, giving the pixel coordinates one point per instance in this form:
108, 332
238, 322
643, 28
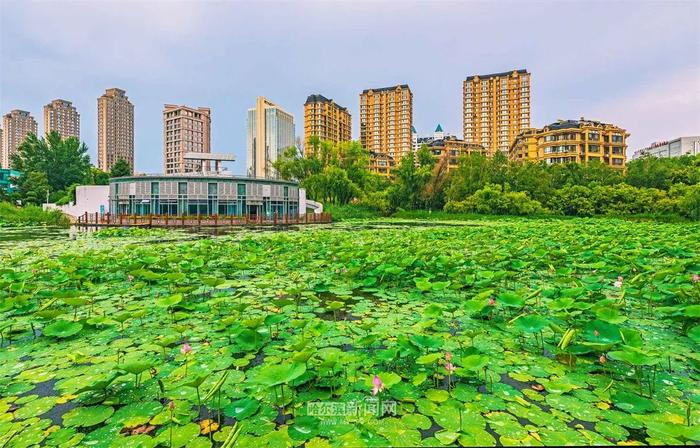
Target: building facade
496, 108
325, 119
202, 194
572, 141
438, 134
115, 129
16, 125
682, 146
381, 163
386, 121
185, 129
61, 116
6, 183
270, 132
451, 149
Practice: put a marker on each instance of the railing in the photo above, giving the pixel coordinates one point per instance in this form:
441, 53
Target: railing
121, 220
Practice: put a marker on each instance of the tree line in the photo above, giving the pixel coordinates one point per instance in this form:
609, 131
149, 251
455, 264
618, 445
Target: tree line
338, 174
51, 167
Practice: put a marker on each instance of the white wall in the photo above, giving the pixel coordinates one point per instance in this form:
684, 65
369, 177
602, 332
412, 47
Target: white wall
302, 201
88, 198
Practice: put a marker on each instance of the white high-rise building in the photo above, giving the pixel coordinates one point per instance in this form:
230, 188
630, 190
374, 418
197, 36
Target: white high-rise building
270, 132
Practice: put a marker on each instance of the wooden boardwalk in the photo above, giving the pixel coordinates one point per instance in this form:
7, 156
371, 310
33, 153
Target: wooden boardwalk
109, 220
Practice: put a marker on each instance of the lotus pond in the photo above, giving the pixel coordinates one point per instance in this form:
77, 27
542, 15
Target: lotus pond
503, 332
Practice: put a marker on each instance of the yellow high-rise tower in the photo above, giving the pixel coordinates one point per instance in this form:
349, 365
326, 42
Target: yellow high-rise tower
496, 109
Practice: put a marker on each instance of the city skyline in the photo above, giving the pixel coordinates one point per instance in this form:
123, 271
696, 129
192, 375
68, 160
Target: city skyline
637, 67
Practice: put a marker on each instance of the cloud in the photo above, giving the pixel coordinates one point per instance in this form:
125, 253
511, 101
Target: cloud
103, 37
665, 109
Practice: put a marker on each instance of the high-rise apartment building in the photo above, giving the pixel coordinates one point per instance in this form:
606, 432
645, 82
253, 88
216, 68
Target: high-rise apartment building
496, 109
61, 116
270, 132
386, 121
115, 129
325, 119
185, 129
572, 141
16, 125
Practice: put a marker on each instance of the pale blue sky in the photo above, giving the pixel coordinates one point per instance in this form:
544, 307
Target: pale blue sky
632, 63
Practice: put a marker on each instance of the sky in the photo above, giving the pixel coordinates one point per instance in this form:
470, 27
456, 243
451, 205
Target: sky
635, 64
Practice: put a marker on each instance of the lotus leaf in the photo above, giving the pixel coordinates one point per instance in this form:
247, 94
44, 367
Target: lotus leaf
279, 374
242, 409
63, 329
510, 300
531, 324
87, 416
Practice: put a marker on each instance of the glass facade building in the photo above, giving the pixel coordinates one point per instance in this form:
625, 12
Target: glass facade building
270, 132
5, 179
203, 195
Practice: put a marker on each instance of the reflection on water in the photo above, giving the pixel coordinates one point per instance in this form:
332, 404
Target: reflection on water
28, 236
13, 236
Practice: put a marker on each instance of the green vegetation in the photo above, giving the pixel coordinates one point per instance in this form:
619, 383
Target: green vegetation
511, 331
52, 165
120, 169
29, 215
338, 175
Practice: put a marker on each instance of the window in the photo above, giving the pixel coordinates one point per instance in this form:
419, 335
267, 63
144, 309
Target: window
241, 190
182, 188
155, 188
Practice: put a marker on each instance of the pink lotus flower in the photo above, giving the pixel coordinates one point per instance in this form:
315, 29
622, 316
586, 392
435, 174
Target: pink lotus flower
171, 405
448, 356
602, 359
33, 270
596, 333
185, 348
378, 386
695, 278
618, 283
450, 368
130, 277
492, 301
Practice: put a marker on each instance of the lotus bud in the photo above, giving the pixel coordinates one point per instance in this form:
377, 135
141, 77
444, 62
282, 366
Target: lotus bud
378, 386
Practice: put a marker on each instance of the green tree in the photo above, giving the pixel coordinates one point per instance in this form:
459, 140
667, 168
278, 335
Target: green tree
34, 187
407, 190
120, 169
472, 174
63, 162
97, 177
663, 173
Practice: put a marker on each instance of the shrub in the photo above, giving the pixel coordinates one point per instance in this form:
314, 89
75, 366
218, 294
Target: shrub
689, 203
11, 216
376, 201
573, 200
493, 200
349, 211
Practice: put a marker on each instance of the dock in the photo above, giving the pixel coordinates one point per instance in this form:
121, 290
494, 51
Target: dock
160, 221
